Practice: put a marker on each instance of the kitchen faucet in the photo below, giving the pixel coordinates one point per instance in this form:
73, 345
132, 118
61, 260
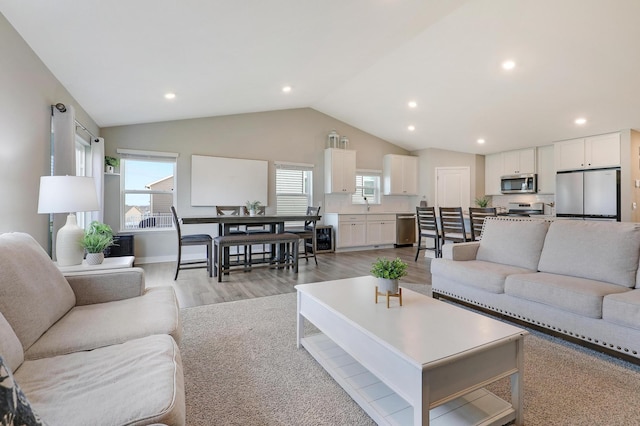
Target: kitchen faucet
367, 203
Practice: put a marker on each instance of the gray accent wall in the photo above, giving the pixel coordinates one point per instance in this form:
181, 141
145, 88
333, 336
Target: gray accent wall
295, 135
27, 90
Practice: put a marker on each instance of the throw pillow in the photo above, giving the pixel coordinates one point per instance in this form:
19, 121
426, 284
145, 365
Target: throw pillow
14, 406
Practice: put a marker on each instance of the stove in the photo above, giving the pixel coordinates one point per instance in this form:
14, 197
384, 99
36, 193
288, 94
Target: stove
523, 209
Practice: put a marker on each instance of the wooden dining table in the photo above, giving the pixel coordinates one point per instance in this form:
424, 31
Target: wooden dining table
275, 222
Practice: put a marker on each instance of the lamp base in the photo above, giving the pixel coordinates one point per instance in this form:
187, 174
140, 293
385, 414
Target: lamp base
69, 251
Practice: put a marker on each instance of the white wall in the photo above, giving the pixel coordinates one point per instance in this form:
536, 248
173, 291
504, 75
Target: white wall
27, 90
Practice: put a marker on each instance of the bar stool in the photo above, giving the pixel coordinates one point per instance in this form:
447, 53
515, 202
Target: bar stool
452, 225
476, 217
192, 240
428, 228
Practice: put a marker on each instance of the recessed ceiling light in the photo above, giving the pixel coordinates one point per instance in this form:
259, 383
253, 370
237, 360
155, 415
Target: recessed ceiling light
413, 104
169, 95
480, 141
286, 89
508, 65
411, 128
580, 121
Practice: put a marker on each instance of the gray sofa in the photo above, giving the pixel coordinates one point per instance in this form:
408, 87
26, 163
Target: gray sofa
86, 349
577, 279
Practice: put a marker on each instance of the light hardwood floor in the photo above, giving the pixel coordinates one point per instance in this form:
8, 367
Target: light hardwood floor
194, 287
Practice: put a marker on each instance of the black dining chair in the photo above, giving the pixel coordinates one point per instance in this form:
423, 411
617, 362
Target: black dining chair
234, 230
452, 225
428, 228
307, 233
192, 240
476, 218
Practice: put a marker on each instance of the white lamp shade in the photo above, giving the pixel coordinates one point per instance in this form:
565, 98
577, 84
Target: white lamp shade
67, 194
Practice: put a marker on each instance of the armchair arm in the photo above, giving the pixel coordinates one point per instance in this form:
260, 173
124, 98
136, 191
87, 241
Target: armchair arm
460, 251
106, 285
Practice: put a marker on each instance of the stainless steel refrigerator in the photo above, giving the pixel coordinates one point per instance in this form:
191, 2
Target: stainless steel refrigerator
588, 194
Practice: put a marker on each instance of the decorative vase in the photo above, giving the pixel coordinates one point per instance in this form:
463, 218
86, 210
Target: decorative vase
110, 169
252, 212
94, 258
386, 284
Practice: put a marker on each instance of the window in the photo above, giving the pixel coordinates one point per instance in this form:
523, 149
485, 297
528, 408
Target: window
293, 188
147, 189
367, 186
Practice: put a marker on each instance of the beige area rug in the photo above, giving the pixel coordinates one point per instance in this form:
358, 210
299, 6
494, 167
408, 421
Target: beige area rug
242, 367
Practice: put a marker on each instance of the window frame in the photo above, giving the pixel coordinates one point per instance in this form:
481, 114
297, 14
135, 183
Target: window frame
148, 156
358, 197
305, 168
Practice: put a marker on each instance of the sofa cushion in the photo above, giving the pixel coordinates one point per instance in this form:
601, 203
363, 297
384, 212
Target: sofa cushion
578, 295
33, 292
15, 408
487, 276
92, 326
623, 309
512, 242
137, 382
601, 251
10, 347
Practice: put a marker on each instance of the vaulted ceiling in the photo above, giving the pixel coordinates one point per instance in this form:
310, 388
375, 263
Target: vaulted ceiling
360, 61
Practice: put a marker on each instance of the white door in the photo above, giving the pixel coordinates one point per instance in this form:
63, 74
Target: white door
453, 187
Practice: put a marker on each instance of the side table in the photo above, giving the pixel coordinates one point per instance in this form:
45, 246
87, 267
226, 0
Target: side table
108, 263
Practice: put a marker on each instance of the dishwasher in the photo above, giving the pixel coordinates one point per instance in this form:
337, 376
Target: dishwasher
405, 229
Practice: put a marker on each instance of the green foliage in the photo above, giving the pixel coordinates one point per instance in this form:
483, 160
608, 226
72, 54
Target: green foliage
482, 202
253, 205
389, 269
111, 161
98, 237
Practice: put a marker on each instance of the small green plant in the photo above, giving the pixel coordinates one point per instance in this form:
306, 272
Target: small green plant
111, 161
97, 237
482, 202
253, 205
389, 269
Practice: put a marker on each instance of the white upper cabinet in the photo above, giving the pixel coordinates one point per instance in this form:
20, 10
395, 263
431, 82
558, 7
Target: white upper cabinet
492, 172
588, 153
400, 174
339, 171
519, 161
546, 170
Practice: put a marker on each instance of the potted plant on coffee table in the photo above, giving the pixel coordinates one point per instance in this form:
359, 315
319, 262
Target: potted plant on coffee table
96, 240
388, 273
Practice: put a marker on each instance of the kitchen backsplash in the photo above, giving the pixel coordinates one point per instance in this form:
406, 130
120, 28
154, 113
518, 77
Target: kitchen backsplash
339, 203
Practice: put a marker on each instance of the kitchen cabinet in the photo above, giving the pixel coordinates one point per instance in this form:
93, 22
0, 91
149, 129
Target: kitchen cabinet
546, 170
339, 171
400, 174
362, 229
588, 153
492, 172
519, 161
381, 229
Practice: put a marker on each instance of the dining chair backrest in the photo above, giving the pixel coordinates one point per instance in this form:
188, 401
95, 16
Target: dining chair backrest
228, 210
311, 211
176, 222
427, 220
476, 217
452, 224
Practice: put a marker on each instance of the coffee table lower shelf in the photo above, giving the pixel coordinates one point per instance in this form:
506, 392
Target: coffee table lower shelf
479, 407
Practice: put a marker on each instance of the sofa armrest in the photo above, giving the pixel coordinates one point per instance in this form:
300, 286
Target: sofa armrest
460, 251
106, 285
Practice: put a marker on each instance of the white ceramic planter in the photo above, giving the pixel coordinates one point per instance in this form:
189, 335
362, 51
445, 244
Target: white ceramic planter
389, 285
94, 258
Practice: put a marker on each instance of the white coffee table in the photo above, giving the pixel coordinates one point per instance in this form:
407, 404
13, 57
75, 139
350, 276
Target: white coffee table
423, 363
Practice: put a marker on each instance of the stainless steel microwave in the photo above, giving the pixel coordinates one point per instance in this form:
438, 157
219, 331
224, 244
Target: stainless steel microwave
519, 184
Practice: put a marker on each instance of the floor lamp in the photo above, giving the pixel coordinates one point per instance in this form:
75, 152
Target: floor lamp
68, 194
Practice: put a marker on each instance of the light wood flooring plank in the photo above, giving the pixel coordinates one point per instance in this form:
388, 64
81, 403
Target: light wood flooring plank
195, 288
